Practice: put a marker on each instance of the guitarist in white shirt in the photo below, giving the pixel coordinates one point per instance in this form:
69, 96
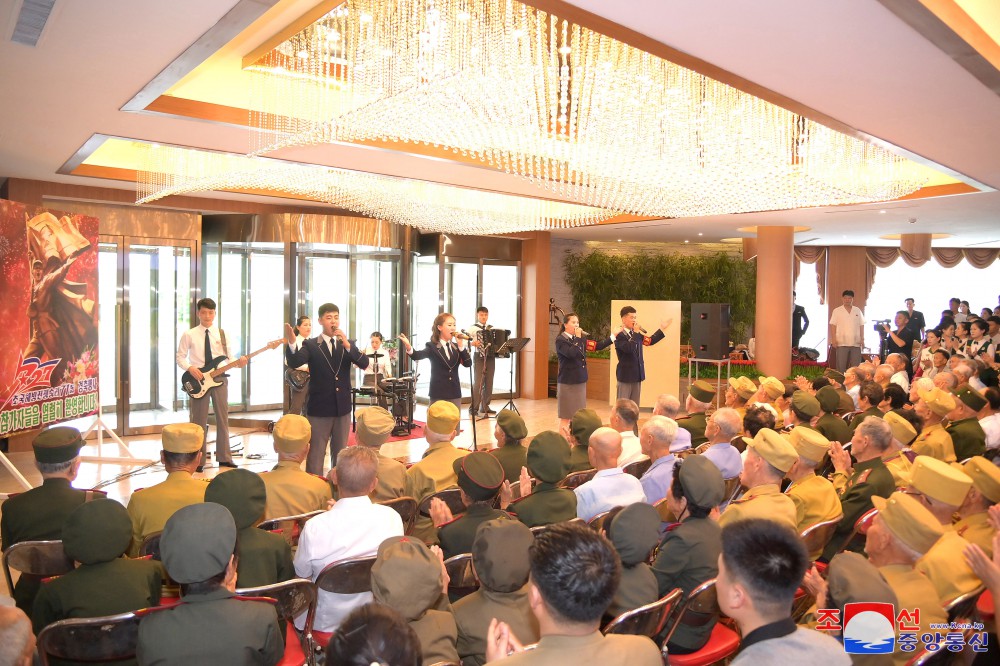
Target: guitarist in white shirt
192, 356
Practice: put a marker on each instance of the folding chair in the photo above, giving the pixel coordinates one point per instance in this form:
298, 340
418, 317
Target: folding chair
290, 527
638, 468
702, 607
40, 559
350, 576
94, 639
649, 620
817, 536
406, 507
294, 597
964, 607
450, 496
597, 522
576, 479
462, 579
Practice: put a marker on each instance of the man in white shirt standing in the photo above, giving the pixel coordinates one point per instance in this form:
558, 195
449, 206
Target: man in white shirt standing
197, 347
353, 527
848, 323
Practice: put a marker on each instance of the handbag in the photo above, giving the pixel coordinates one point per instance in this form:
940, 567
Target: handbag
297, 380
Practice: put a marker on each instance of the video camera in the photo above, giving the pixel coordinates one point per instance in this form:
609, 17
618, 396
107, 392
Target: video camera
880, 325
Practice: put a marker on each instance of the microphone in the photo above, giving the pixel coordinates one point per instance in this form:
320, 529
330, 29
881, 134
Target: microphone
583, 333
640, 329
462, 336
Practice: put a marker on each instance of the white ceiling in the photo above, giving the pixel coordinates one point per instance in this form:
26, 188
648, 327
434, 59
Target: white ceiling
852, 60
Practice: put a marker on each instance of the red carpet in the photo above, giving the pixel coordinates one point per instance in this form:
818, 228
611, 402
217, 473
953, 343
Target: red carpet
416, 433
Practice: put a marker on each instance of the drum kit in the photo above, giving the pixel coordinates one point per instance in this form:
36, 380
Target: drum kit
398, 392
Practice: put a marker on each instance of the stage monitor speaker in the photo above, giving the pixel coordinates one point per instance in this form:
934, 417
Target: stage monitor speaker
710, 330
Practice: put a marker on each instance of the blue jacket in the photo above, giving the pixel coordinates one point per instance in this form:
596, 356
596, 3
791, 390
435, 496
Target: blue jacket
445, 382
631, 367
572, 353
329, 378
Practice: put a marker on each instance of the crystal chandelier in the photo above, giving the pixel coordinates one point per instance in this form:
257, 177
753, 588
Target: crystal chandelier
429, 206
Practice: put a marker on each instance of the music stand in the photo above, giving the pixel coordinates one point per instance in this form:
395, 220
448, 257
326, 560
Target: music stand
509, 348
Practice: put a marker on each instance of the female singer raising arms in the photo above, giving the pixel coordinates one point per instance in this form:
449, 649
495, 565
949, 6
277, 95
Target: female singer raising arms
446, 351
571, 382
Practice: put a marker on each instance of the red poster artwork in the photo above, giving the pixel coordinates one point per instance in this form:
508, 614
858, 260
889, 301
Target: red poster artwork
48, 317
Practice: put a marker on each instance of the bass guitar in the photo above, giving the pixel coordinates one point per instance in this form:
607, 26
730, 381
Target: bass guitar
212, 371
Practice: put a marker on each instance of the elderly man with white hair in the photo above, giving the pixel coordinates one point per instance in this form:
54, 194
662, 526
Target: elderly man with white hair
724, 425
918, 386
669, 405
659, 441
899, 375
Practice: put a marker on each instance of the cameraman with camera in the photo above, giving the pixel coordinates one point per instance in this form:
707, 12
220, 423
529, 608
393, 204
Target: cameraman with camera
899, 341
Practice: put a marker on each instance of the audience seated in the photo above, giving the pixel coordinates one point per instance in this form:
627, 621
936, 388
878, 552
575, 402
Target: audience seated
581, 427
769, 457
574, 574
625, 419
760, 415
210, 626
410, 578
900, 376
480, 478
547, 462
869, 398
689, 552
374, 634
738, 392
701, 394
967, 435
17, 643
353, 527
990, 421
829, 424
722, 427
815, 498
633, 531
500, 560
658, 439
934, 441
509, 432
374, 425
291, 491
803, 410
610, 486
945, 380
263, 558
893, 399
669, 406
852, 384
96, 535
903, 433
760, 568
435, 470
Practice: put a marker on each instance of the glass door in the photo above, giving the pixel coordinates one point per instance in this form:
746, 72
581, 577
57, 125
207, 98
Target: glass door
110, 285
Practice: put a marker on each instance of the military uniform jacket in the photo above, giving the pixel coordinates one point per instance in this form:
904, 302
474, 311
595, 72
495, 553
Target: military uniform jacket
572, 354
595, 648
512, 458
545, 505
579, 459
833, 428
209, 629
913, 590
968, 438
474, 612
456, 536
945, 565
631, 366
637, 588
391, 479
688, 556
936, 442
438, 636
433, 473
445, 382
92, 590
816, 501
291, 492
899, 466
265, 558
766, 501
977, 529
869, 478
329, 375
858, 418
150, 508
694, 424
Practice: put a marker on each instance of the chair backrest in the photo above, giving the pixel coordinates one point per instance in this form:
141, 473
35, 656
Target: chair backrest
462, 578
963, 607
450, 496
690, 451
538, 529
733, 489
93, 639
700, 607
515, 489
861, 526
150, 546
577, 479
597, 522
638, 468
817, 536
37, 558
290, 527
294, 597
350, 576
406, 507
648, 620
666, 515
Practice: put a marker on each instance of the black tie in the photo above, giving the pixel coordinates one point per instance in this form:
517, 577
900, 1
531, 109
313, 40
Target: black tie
208, 347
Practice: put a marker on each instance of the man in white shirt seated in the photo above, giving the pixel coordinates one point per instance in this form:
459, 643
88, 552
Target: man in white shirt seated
353, 527
723, 425
625, 419
899, 376
670, 406
991, 422
610, 486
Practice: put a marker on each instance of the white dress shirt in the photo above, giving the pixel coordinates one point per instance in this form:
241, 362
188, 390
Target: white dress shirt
191, 348
631, 449
354, 527
991, 426
609, 488
901, 379
384, 365
847, 326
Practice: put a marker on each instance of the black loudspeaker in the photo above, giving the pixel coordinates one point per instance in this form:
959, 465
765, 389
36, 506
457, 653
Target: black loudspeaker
710, 330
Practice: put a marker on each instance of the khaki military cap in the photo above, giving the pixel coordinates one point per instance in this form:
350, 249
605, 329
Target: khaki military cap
59, 445
775, 449
902, 430
806, 403
182, 438
773, 387
909, 521
197, 542
744, 386
442, 417
809, 443
985, 477
375, 424
702, 391
292, 433
583, 424
971, 397
512, 424
939, 480
938, 401
480, 475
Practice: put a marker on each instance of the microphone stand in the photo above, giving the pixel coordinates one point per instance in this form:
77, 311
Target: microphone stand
472, 385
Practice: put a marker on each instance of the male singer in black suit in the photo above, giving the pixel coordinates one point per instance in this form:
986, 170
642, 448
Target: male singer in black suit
800, 322
329, 356
631, 371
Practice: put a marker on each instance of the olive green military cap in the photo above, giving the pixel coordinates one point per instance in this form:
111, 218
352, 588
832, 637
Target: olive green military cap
809, 443
702, 391
807, 404
938, 401
197, 542
182, 438
291, 433
634, 531
773, 387
939, 480
97, 531
902, 430
835, 375
59, 445
375, 424
909, 521
548, 456
500, 554
242, 492
985, 477
828, 398
512, 424
971, 397
442, 417
406, 576
480, 475
702, 482
774, 448
583, 424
